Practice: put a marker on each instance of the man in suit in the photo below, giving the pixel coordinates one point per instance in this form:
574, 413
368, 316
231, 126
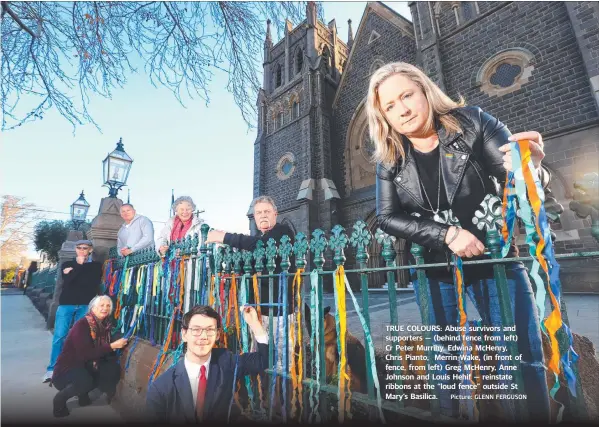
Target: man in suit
199, 387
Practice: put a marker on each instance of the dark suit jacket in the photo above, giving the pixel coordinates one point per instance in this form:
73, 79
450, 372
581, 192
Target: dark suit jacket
169, 398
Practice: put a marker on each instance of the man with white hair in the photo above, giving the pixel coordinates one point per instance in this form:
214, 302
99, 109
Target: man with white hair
265, 215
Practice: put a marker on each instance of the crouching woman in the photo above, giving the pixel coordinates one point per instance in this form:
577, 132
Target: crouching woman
87, 359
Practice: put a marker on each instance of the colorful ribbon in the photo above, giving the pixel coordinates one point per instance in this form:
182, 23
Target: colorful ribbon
343, 391
529, 196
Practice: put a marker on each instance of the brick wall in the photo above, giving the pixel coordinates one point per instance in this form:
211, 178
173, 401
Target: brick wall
393, 45
558, 92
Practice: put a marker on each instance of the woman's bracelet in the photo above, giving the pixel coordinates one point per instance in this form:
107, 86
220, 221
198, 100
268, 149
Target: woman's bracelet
455, 236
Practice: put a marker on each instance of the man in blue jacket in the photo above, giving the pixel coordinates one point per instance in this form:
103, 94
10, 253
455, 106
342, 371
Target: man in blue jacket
199, 387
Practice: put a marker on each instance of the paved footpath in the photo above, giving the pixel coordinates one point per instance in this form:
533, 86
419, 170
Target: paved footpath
25, 349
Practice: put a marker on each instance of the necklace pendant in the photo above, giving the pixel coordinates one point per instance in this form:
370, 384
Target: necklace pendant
437, 217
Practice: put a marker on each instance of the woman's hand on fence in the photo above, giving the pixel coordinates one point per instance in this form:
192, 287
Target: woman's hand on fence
67, 270
163, 249
465, 245
120, 343
536, 149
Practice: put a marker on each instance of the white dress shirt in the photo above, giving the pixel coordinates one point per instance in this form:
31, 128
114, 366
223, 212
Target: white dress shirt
194, 369
193, 372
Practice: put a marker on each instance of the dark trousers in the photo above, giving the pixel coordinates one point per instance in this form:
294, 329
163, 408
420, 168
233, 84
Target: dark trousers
106, 378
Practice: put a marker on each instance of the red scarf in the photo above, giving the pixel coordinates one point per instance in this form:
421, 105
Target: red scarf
180, 228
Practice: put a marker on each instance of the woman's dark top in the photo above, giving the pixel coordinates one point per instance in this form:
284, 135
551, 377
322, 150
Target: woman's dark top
428, 171
79, 350
471, 166
81, 284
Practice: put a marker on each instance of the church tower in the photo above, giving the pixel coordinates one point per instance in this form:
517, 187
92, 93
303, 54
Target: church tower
292, 151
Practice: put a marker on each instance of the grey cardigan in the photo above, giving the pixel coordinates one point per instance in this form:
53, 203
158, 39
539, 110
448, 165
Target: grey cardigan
138, 235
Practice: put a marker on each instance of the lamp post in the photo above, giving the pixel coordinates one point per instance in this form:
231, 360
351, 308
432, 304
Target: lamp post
116, 168
79, 210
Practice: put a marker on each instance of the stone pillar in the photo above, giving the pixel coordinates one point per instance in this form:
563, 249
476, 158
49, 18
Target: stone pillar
312, 32
66, 253
105, 227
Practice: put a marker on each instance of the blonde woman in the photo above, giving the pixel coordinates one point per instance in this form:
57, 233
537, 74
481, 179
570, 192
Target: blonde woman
434, 155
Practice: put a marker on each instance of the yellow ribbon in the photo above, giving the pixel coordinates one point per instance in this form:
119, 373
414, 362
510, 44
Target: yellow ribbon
297, 371
344, 379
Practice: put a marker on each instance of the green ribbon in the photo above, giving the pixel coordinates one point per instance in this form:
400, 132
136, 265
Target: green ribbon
370, 346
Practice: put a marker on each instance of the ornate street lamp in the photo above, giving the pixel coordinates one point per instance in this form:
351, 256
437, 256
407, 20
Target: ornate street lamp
79, 210
116, 169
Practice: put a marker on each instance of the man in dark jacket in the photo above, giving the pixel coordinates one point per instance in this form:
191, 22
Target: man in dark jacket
265, 215
81, 283
199, 387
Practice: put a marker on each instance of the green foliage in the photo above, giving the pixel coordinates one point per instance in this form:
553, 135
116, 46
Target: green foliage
8, 274
48, 236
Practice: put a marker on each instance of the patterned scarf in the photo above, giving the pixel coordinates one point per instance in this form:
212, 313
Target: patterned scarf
99, 330
180, 228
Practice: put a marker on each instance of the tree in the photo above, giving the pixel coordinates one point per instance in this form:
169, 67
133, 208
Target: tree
15, 228
50, 49
8, 273
48, 236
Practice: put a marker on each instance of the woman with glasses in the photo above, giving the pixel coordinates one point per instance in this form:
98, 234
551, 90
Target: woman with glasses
81, 279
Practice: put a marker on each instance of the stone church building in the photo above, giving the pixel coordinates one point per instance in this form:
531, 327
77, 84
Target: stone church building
533, 65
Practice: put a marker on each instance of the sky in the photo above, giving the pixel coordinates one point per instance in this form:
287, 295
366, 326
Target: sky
202, 151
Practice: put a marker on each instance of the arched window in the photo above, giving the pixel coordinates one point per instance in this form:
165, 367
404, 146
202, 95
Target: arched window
326, 57
280, 120
279, 76
299, 61
295, 110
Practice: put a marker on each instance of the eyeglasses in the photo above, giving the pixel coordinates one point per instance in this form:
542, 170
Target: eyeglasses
84, 248
196, 332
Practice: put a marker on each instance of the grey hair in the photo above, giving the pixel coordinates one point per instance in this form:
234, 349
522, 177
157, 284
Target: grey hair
97, 299
265, 199
184, 199
127, 204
